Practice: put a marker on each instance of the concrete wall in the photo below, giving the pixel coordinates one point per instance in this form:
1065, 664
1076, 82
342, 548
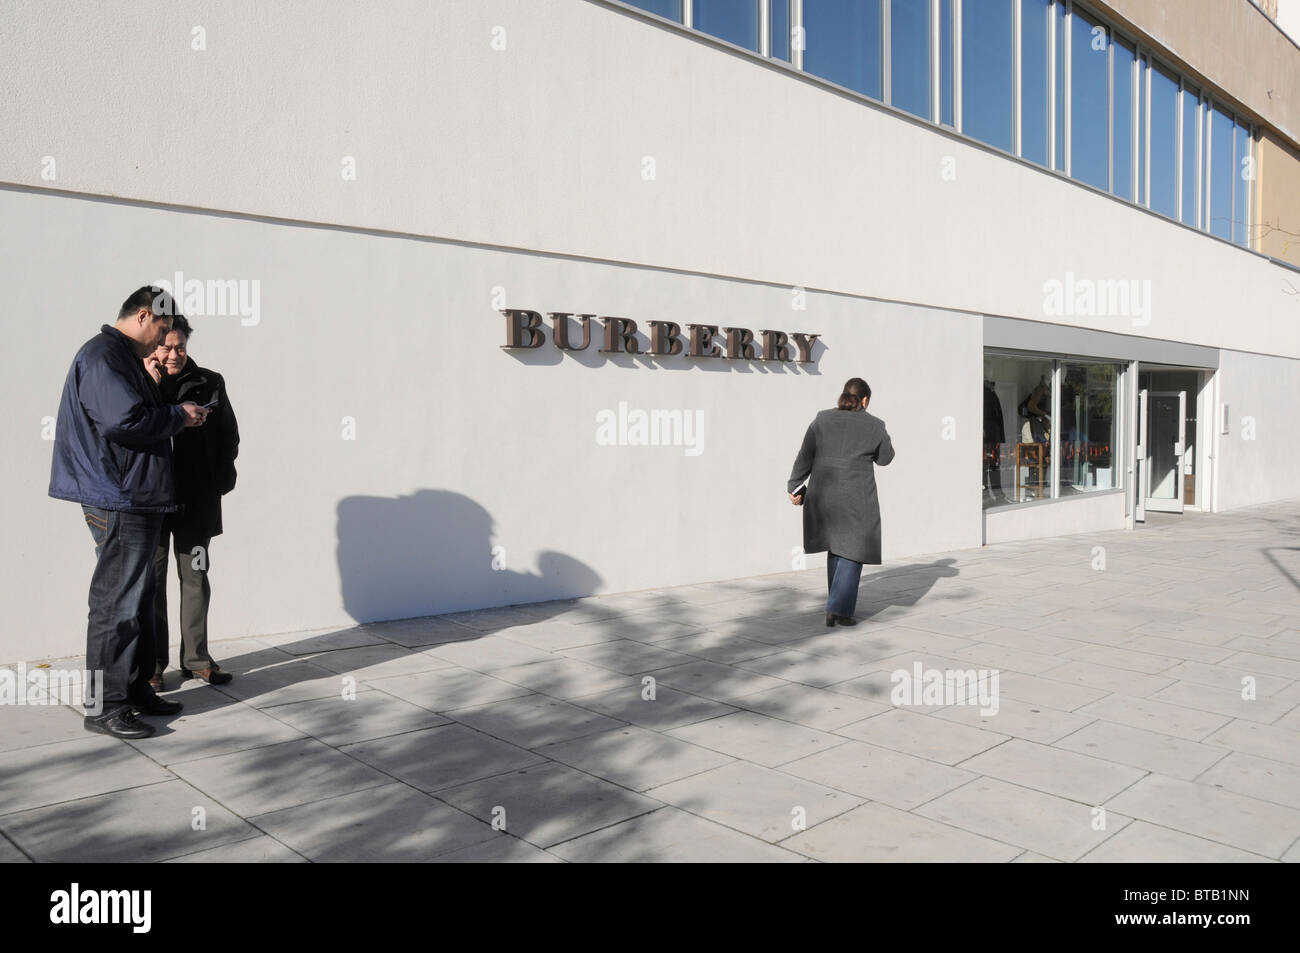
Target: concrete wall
1259, 456
1079, 514
460, 445
758, 173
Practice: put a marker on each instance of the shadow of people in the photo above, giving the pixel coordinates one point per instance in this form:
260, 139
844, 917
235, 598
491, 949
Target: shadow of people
432, 552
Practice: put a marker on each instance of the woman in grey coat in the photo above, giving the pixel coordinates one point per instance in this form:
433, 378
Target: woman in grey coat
841, 514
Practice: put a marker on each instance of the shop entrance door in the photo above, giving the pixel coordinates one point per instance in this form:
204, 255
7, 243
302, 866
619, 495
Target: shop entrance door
1165, 448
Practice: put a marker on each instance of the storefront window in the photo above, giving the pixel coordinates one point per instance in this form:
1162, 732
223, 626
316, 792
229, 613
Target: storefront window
1017, 463
1086, 430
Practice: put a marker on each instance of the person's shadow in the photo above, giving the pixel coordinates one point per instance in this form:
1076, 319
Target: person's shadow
432, 552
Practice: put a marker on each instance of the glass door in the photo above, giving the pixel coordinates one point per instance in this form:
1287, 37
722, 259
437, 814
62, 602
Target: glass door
1166, 444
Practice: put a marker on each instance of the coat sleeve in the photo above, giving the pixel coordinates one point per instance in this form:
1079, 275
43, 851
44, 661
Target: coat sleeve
804, 462
229, 443
884, 452
121, 412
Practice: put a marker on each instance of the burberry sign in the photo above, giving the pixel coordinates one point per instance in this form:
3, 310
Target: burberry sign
525, 329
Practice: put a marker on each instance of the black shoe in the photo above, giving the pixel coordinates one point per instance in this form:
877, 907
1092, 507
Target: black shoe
830, 619
845, 620
213, 675
153, 705
121, 723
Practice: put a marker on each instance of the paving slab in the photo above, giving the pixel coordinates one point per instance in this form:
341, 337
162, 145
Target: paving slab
262, 780
923, 735
811, 707
879, 774
255, 850
449, 689
1177, 720
26, 726
442, 757
534, 720
671, 836
636, 758
757, 738
876, 833
1044, 823
1066, 774
548, 803
1145, 843
754, 800
1203, 811
664, 709
1140, 748
723, 683
567, 678
359, 717
68, 770
206, 734
181, 820
391, 824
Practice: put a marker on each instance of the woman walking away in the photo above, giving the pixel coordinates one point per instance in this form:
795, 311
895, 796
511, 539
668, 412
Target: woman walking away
841, 515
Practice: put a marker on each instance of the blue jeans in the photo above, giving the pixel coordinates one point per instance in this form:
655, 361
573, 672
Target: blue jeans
119, 632
842, 578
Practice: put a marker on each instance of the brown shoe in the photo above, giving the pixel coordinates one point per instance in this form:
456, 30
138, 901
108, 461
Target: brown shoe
213, 676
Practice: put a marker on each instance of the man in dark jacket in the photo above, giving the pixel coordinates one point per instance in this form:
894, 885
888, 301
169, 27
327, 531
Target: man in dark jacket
112, 454
204, 470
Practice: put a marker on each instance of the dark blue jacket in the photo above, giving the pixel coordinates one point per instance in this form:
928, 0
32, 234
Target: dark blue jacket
112, 442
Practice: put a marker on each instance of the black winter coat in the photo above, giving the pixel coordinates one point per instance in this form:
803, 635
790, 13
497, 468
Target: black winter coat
112, 444
204, 457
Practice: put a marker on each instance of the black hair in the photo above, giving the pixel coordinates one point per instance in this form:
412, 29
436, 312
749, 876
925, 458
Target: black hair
855, 388
149, 297
181, 323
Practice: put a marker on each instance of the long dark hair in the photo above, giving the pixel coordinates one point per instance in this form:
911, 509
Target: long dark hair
855, 388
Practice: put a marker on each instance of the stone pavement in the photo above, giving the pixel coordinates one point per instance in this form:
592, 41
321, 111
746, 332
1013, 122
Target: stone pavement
1148, 709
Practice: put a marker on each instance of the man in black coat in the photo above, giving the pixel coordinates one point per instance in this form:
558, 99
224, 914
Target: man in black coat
112, 454
204, 469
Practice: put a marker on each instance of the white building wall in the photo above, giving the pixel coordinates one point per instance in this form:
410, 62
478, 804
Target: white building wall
460, 445
763, 181
1259, 457
758, 173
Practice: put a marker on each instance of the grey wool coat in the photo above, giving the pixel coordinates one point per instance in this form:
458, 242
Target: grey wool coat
841, 513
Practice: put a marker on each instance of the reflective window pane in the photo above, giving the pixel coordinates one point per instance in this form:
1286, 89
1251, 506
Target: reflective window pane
987, 48
1034, 125
1164, 142
947, 92
780, 24
1089, 88
1191, 159
1221, 174
1241, 171
1122, 172
1087, 428
1017, 446
672, 9
909, 56
735, 21
842, 40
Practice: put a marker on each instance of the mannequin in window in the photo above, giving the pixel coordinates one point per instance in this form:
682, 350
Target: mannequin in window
994, 436
1037, 408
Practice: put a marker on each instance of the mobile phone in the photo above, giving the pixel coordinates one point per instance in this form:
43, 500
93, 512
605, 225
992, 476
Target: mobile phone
210, 405
801, 491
